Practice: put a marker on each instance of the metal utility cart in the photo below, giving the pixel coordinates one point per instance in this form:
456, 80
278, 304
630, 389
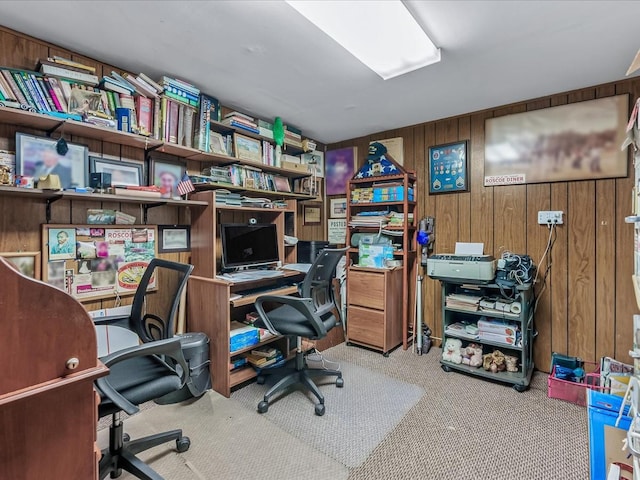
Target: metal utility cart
518, 311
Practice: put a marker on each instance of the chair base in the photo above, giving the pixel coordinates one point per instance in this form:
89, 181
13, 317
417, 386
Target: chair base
301, 374
121, 453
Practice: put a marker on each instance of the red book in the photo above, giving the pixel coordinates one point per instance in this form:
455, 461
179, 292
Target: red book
144, 109
174, 111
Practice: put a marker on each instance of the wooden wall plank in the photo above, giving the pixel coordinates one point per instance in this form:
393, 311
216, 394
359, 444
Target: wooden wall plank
581, 269
559, 277
464, 199
481, 221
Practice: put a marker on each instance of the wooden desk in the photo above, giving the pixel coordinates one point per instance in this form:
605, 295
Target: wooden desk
211, 310
48, 410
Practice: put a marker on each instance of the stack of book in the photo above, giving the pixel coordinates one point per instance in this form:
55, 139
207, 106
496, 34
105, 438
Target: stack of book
265, 129
241, 121
463, 302
225, 197
369, 219
264, 356
138, 191
397, 219
268, 153
292, 136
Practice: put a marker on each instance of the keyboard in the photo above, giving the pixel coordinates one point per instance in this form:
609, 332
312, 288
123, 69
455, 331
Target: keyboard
250, 275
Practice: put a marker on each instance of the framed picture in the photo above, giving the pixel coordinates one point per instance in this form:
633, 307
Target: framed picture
247, 148
577, 141
165, 174
27, 263
37, 157
314, 159
282, 184
311, 215
217, 144
308, 186
62, 243
174, 238
340, 167
448, 168
338, 207
122, 173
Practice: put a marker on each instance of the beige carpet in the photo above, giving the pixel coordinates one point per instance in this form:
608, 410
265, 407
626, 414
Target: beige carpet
461, 427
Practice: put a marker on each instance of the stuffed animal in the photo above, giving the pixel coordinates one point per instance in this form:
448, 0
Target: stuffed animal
452, 350
512, 363
472, 355
494, 362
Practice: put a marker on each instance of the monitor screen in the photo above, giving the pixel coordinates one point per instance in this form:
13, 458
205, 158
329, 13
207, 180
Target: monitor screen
248, 245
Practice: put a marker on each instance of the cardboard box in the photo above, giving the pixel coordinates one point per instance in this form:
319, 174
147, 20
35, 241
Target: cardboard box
298, 167
374, 255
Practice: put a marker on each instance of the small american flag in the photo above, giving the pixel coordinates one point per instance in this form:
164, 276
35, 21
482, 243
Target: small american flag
185, 186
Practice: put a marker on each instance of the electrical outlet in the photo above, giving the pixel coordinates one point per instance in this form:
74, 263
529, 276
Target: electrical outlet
552, 217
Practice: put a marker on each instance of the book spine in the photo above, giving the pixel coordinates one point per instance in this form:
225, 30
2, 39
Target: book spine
3, 89
112, 102
52, 94
71, 63
70, 74
65, 85
116, 99
44, 92
164, 119
204, 123
244, 127
105, 103
189, 115
14, 87
174, 110
180, 136
178, 98
150, 82
6, 88
180, 92
144, 115
179, 84
23, 88
156, 118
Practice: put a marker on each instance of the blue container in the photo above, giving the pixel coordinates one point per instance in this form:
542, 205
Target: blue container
603, 410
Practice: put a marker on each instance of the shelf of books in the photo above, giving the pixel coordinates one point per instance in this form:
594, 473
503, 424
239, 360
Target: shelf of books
250, 191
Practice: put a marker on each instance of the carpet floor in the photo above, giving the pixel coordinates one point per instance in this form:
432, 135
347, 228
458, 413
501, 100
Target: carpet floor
459, 426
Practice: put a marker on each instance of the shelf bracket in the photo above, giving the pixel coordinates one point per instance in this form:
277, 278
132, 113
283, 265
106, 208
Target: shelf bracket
53, 129
145, 209
47, 213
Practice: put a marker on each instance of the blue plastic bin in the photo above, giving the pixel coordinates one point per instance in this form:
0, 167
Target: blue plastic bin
603, 410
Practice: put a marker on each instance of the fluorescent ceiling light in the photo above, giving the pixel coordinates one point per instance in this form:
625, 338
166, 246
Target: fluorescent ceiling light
381, 34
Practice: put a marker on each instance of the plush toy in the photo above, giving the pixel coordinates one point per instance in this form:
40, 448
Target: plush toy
512, 363
472, 355
494, 362
452, 350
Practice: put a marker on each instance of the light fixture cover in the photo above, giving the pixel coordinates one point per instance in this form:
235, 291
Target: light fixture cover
381, 34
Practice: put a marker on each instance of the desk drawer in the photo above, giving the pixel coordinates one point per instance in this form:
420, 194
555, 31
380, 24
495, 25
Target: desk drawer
366, 289
366, 326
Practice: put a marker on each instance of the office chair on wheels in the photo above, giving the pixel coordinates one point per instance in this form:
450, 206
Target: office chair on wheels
310, 316
144, 372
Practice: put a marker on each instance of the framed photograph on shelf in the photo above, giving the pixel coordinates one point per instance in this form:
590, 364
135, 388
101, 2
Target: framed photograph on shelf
448, 168
311, 215
27, 263
338, 208
40, 156
217, 144
165, 174
123, 173
308, 186
340, 167
247, 148
174, 238
281, 183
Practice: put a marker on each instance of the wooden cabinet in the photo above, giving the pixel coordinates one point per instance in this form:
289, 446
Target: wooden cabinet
375, 306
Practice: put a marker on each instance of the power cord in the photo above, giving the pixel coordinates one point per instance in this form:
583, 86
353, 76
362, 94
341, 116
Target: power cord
553, 236
316, 357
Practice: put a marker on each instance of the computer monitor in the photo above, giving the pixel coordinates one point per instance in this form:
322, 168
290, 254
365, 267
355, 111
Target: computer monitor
248, 245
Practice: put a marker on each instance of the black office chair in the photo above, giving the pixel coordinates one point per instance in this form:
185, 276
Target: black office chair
145, 372
310, 316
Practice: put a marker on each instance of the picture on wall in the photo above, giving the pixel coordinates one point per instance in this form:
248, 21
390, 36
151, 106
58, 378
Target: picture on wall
340, 167
448, 168
166, 175
578, 141
122, 173
27, 263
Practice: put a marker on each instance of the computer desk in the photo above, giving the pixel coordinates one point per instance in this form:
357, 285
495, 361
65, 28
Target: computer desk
213, 303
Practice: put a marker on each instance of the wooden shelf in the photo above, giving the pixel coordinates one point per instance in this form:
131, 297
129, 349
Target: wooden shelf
384, 178
28, 192
252, 191
251, 298
22, 118
105, 134
241, 375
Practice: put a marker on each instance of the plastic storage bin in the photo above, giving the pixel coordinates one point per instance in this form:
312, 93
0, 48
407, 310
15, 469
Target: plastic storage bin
574, 392
603, 410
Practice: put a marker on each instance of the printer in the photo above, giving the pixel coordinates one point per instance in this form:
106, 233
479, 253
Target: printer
479, 268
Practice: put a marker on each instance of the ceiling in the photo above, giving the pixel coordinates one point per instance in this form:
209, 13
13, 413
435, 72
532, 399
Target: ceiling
262, 57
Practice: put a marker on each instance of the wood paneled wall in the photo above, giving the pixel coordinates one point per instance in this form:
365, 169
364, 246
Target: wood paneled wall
587, 307
20, 218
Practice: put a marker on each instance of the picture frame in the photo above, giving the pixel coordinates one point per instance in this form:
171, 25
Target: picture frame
282, 184
338, 207
576, 141
123, 173
174, 238
308, 186
37, 157
311, 215
27, 263
247, 148
217, 144
165, 174
448, 168
340, 167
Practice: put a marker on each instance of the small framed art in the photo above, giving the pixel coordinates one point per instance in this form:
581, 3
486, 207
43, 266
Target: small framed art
39, 156
174, 238
247, 148
165, 174
338, 207
311, 215
27, 263
122, 173
448, 168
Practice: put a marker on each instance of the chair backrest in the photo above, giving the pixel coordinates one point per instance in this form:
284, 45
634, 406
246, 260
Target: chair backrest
318, 282
152, 315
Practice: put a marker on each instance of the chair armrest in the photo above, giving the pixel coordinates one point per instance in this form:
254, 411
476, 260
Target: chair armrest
304, 305
118, 320
169, 348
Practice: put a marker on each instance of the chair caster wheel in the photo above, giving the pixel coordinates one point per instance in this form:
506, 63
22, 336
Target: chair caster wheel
116, 473
320, 409
126, 437
339, 382
183, 444
446, 368
263, 407
260, 380
520, 388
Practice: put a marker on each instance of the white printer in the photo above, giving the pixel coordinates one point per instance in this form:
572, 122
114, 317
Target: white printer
480, 268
